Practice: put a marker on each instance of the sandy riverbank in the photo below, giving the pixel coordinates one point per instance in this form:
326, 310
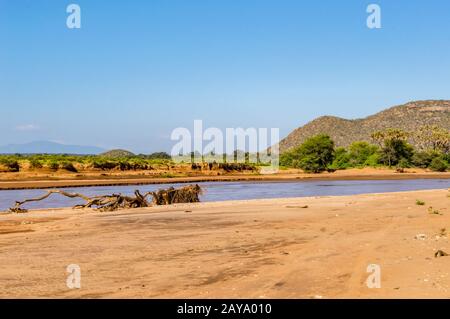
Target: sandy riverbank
254, 249
29, 181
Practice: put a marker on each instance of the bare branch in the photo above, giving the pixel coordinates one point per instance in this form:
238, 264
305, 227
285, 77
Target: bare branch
186, 194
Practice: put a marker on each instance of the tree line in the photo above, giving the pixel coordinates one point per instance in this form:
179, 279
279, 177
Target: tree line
391, 147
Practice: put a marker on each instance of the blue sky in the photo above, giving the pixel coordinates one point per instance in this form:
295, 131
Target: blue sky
138, 69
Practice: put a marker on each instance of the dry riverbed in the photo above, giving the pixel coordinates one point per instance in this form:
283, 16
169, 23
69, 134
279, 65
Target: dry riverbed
279, 248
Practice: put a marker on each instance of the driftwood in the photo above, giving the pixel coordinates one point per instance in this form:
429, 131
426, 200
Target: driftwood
108, 203
187, 194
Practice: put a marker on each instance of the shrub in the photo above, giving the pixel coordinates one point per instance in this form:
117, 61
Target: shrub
373, 160
423, 159
341, 159
394, 150
286, 159
35, 164
420, 203
394, 146
11, 165
68, 166
53, 165
104, 165
403, 163
359, 152
315, 154
438, 164
159, 155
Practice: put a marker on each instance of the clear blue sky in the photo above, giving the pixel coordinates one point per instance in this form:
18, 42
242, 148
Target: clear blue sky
138, 69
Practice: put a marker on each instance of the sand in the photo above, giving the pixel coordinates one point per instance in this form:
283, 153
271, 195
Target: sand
242, 249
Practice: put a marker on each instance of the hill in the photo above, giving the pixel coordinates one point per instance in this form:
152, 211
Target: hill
408, 117
46, 147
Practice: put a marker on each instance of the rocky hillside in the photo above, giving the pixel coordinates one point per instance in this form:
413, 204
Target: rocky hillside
408, 117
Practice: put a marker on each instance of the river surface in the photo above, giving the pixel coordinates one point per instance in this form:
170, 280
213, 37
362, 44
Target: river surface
220, 191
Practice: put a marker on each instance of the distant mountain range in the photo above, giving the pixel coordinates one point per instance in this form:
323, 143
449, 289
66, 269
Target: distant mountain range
408, 117
46, 147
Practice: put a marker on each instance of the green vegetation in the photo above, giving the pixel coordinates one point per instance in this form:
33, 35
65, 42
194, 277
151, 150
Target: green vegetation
392, 149
312, 156
359, 154
157, 156
438, 164
315, 155
420, 203
341, 159
117, 154
434, 138
423, 159
35, 164
53, 165
9, 164
75, 163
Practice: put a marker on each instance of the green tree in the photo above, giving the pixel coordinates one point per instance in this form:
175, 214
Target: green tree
287, 159
359, 152
341, 159
314, 155
438, 164
394, 146
424, 158
433, 138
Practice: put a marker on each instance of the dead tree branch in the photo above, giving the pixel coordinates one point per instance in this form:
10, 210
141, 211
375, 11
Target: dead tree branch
186, 194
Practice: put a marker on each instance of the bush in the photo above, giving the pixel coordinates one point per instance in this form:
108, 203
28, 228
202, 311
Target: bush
438, 164
394, 150
373, 160
341, 159
11, 165
159, 155
314, 155
423, 159
286, 159
403, 163
359, 152
104, 165
68, 166
53, 165
35, 164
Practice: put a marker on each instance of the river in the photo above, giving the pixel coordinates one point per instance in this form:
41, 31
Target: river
220, 191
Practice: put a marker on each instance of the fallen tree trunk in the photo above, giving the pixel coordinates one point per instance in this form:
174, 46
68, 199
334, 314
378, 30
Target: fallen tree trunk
186, 194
